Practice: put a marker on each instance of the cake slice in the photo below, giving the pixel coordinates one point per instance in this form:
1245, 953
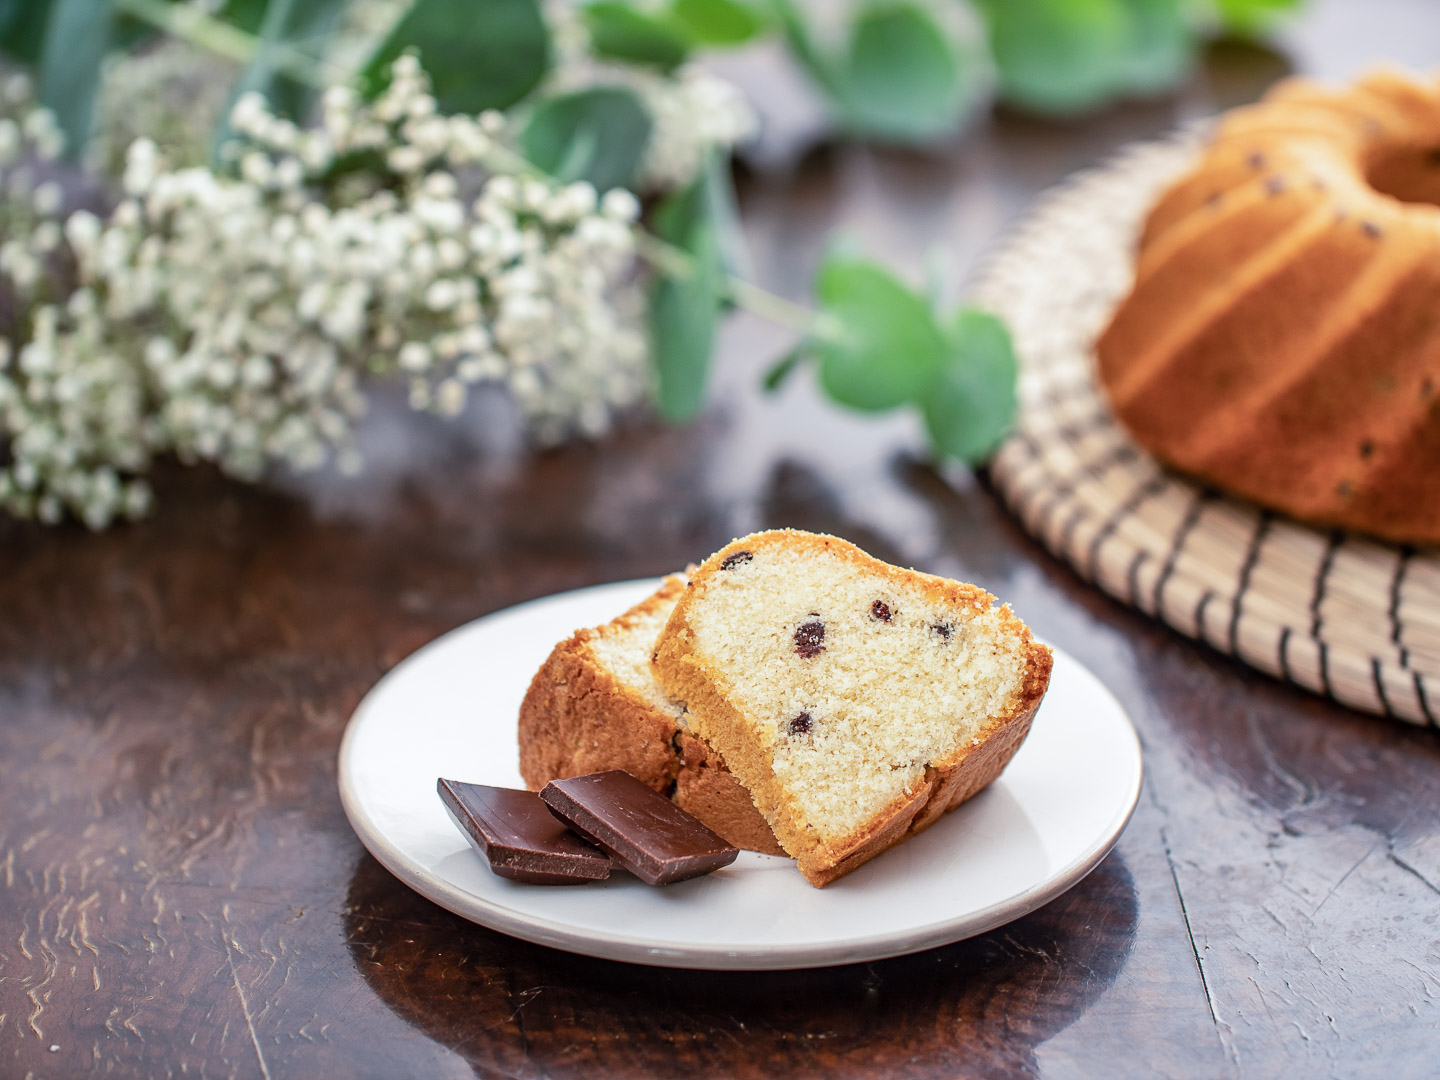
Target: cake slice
595, 706
856, 701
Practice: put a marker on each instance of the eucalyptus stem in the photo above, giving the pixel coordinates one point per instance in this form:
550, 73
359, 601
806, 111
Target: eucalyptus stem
771, 306
676, 262
217, 36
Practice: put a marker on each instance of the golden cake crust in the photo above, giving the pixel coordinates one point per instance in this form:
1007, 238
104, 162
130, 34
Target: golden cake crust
1281, 340
688, 677
578, 718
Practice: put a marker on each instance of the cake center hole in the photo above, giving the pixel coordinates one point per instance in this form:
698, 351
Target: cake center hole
1408, 173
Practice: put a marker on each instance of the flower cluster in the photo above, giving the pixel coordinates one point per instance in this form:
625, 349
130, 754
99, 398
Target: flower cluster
231, 319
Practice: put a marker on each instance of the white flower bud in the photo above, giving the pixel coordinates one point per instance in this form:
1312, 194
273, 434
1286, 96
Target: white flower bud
414, 356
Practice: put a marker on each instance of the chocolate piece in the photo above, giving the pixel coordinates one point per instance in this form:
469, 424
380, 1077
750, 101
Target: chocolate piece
881, 610
801, 724
519, 837
734, 559
642, 830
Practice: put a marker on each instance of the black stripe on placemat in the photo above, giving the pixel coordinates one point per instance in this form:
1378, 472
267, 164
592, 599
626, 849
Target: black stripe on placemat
1065, 489
1252, 556
1397, 631
1063, 393
1152, 486
1322, 577
1200, 614
1073, 430
1424, 701
1067, 531
1325, 668
1285, 671
1379, 678
1177, 544
1132, 575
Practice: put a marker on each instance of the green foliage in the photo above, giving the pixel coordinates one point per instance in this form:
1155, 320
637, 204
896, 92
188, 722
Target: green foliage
1068, 56
1250, 18
901, 76
77, 37
881, 345
665, 35
886, 347
597, 135
637, 36
685, 306
895, 71
970, 406
720, 23
22, 28
478, 55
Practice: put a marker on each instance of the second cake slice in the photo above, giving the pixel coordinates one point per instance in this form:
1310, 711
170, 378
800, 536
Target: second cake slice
855, 700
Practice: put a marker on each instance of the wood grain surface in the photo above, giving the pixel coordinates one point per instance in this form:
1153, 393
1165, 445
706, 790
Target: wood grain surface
180, 893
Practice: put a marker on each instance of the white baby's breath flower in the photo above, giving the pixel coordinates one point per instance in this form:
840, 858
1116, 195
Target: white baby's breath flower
229, 317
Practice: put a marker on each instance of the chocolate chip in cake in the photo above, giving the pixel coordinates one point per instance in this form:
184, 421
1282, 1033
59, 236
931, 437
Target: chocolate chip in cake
735, 558
1367, 448
1343, 489
1275, 185
1370, 229
810, 639
944, 629
881, 610
1256, 160
800, 725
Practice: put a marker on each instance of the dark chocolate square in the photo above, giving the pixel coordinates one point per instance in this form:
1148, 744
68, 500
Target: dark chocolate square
642, 830
519, 837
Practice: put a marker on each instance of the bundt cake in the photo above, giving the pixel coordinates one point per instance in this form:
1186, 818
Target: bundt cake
1282, 339
595, 706
856, 701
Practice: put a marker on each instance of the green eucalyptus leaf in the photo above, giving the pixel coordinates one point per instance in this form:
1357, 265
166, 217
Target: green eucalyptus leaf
78, 34
685, 308
905, 76
1162, 46
22, 28
971, 404
720, 22
884, 347
622, 32
247, 15
598, 135
1250, 18
822, 68
478, 56
1057, 56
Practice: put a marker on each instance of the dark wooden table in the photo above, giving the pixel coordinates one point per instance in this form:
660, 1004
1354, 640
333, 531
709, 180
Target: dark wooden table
180, 892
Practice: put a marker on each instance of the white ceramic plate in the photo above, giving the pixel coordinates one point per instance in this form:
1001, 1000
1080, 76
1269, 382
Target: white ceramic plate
450, 710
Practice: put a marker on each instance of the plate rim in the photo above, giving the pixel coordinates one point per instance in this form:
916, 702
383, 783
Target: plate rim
638, 950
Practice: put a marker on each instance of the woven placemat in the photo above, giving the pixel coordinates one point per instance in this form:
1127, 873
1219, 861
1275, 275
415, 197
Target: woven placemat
1349, 617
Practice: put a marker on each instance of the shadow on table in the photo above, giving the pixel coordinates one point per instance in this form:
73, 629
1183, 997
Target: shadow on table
518, 1009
